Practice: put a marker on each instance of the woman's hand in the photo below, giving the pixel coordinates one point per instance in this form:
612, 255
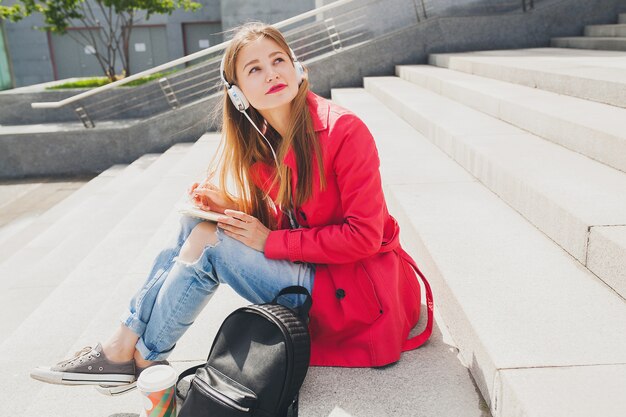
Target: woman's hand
207, 197
245, 228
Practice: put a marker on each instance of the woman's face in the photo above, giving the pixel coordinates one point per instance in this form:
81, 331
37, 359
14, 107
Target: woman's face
261, 67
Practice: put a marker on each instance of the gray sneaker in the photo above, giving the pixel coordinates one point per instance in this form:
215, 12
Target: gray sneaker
87, 367
113, 390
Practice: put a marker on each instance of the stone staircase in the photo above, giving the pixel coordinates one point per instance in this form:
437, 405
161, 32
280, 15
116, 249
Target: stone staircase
512, 197
67, 276
603, 37
507, 172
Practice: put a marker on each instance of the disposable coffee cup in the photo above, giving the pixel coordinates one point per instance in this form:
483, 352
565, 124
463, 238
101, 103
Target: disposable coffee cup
157, 386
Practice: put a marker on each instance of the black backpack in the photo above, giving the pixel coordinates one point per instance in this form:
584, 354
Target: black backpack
256, 365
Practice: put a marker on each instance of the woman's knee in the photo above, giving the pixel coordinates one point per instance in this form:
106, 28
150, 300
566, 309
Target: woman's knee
187, 224
201, 236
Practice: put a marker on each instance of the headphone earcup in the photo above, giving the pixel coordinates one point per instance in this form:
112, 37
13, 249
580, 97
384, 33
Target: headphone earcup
299, 71
238, 99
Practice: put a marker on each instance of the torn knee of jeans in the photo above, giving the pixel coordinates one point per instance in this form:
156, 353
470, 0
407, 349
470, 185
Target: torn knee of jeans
208, 245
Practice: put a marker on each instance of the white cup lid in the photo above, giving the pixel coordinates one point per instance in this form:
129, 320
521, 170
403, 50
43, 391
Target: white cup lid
157, 378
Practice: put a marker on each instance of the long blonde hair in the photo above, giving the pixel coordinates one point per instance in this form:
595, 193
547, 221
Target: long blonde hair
242, 146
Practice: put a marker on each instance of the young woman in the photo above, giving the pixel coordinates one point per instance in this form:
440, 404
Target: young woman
307, 209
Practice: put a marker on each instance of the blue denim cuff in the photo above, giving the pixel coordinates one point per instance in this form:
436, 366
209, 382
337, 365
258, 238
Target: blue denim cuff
133, 323
151, 355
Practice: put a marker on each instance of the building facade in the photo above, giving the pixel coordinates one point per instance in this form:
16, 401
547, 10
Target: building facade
31, 56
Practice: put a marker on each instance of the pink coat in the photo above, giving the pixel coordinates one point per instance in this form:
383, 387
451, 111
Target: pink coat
366, 297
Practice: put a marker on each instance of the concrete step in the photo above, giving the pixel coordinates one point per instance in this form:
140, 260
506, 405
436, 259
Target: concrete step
564, 194
504, 289
13, 190
65, 220
46, 260
588, 74
63, 315
592, 129
66, 207
606, 31
37, 198
581, 42
191, 349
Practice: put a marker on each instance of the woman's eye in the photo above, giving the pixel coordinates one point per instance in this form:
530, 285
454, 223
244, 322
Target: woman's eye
254, 69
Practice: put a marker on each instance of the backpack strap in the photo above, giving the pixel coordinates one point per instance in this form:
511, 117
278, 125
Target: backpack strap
420, 339
298, 289
189, 371
185, 373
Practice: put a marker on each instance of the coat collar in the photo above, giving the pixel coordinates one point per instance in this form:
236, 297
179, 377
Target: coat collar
319, 109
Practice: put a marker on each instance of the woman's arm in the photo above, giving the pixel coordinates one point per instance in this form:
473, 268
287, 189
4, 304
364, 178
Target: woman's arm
356, 165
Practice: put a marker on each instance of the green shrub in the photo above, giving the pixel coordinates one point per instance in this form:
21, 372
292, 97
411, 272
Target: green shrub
99, 81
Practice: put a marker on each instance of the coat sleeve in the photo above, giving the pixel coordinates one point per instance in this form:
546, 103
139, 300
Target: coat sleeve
356, 165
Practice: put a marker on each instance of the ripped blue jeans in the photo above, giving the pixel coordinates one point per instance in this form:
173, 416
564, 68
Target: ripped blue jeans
176, 291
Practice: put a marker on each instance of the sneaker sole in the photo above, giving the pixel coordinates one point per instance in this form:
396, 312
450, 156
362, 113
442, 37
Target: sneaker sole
115, 390
69, 378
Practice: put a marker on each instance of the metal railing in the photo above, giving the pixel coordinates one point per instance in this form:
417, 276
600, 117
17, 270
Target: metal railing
528, 5
327, 29
314, 34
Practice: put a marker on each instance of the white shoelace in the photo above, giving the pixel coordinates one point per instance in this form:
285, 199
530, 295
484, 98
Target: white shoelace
78, 355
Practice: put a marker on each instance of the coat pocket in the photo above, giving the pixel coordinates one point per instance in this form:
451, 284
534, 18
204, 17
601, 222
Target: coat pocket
370, 296
214, 394
357, 294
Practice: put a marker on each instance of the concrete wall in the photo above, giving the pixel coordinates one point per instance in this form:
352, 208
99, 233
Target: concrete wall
80, 151
15, 108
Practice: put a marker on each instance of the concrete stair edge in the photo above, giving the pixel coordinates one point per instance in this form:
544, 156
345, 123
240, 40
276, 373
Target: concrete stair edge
40, 279
22, 209
429, 237
115, 174
45, 245
567, 225
130, 232
193, 345
604, 43
616, 30
545, 77
561, 120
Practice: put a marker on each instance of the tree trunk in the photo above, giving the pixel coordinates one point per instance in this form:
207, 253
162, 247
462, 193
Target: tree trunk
126, 31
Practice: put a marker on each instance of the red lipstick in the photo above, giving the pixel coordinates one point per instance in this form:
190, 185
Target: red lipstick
276, 88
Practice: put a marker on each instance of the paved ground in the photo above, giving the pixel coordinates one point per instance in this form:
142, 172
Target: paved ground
21, 201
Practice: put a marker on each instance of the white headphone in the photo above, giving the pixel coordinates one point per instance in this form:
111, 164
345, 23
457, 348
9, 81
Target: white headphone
236, 95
